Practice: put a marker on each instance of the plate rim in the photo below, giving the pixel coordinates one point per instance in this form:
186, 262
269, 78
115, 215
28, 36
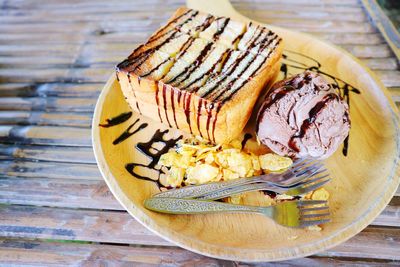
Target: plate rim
257, 255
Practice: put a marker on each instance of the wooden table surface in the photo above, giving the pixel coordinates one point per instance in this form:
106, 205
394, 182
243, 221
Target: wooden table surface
54, 59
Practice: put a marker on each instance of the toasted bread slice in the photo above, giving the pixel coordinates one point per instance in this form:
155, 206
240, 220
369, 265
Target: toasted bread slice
201, 74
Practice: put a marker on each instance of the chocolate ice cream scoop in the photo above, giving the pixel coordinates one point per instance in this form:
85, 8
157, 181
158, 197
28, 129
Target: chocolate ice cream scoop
303, 116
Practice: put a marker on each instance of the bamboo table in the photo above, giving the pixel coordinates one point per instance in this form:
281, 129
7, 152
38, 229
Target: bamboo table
54, 59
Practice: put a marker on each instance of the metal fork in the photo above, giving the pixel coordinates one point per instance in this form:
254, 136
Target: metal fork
305, 171
301, 213
303, 188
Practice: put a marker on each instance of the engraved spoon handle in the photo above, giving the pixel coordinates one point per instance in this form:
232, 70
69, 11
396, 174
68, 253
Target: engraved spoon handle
194, 206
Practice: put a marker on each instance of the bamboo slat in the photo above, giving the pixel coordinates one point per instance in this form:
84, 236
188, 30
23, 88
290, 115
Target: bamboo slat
351, 38
67, 193
75, 90
48, 104
135, 37
385, 26
70, 224
45, 118
381, 63
35, 253
123, 49
48, 154
53, 170
45, 135
120, 227
389, 78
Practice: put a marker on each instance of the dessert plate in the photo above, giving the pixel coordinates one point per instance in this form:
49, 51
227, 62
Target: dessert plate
365, 172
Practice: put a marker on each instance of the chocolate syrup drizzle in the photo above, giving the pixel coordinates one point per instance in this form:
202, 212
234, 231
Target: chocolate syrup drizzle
312, 115
158, 103
164, 93
147, 149
186, 108
121, 118
209, 115
246, 138
276, 97
199, 115
126, 134
173, 106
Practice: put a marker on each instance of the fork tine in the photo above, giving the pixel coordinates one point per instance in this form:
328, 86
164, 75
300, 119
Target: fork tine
311, 202
317, 185
297, 162
314, 180
305, 210
302, 164
311, 223
314, 215
317, 172
301, 182
312, 168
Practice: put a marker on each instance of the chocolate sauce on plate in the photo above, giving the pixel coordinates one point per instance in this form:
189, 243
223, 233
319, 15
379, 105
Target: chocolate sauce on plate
127, 133
153, 155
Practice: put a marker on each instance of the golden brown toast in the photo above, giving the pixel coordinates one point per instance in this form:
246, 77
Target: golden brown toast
201, 74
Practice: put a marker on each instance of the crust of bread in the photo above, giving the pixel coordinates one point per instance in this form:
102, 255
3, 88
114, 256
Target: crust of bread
180, 109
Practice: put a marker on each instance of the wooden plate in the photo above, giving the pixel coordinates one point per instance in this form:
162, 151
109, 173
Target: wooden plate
363, 181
